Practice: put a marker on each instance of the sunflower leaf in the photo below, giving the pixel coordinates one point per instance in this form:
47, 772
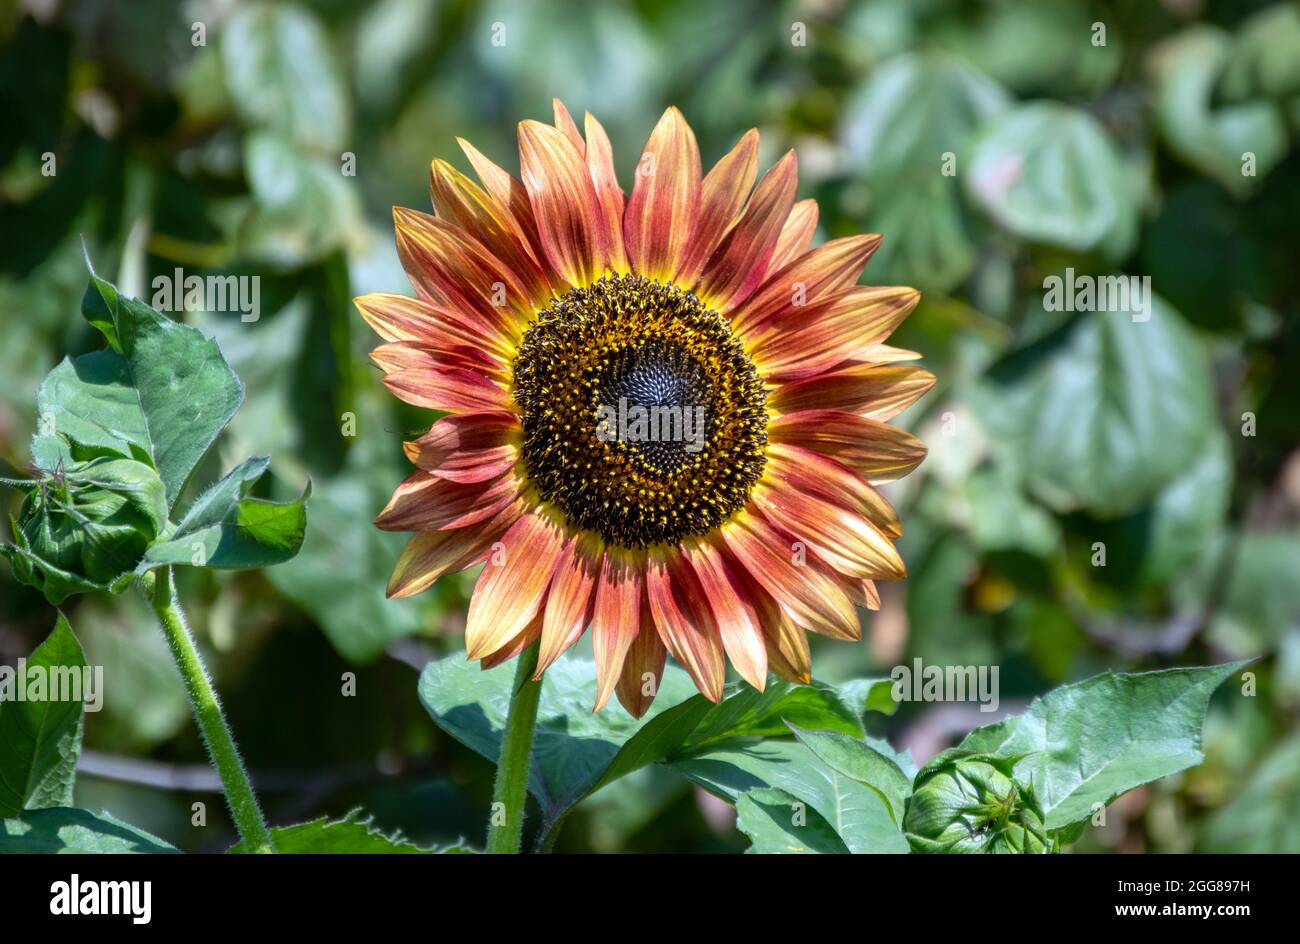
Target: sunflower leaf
1085, 744
227, 529
63, 830
40, 733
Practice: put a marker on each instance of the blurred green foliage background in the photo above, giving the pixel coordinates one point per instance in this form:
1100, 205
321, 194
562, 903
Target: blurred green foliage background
1174, 444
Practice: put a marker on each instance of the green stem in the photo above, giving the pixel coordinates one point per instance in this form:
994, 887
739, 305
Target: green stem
506, 827
212, 723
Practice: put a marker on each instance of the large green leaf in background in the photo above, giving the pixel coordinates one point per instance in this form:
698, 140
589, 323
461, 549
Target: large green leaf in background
40, 738
282, 75
1048, 173
915, 109
62, 830
1213, 138
1104, 412
1087, 743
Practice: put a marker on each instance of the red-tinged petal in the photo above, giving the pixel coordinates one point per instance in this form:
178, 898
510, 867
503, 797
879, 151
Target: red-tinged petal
418, 355
844, 539
643, 667
831, 333
876, 450
885, 354
511, 588
568, 215
430, 554
722, 196
616, 618
454, 271
569, 600
739, 621
463, 203
811, 597
401, 318
796, 235
455, 389
468, 447
527, 636
791, 467
600, 164
741, 262
786, 643
661, 215
815, 277
870, 595
510, 192
684, 620
879, 392
565, 124
424, 502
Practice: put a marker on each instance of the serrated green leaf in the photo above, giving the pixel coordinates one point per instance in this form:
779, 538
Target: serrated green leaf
62, 830
351, 835
40, 737
1087, 743
161, 390
226, 529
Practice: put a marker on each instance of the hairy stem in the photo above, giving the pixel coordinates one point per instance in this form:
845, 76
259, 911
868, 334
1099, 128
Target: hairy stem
509, 796
212, 722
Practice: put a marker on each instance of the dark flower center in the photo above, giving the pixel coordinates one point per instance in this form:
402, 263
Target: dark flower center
644, 420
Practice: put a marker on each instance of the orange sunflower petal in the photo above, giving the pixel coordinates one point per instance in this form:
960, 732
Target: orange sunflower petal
463, 203
722, 196
741, 261
600, 164
879, 392
812, 598
402, 318
510, 192
876, 450
739, 621
569, 218
527, 636
839, 330
468, 447
661, 214
816, 276
569, 599
795, 468
425, 502
616, 618
844, 539
796, 235
643, 667
430, 554
457, 389
454, 271
510, 591
565, 124
684, 620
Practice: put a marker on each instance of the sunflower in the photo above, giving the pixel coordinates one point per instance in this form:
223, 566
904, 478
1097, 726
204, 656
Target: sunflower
667, 412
